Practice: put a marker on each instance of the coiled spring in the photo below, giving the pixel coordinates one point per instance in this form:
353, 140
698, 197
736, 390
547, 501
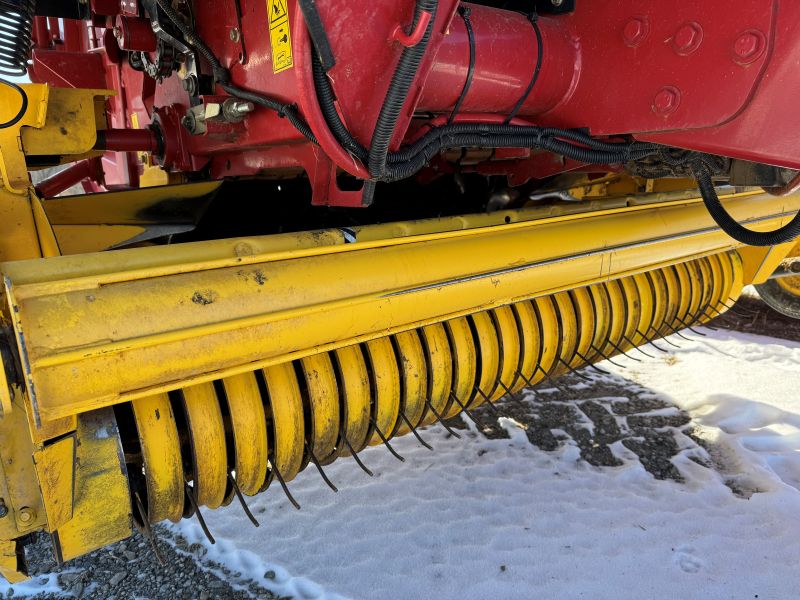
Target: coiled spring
16, 26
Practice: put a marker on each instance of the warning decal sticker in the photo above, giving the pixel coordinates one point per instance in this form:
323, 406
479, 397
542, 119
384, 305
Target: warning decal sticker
279, 36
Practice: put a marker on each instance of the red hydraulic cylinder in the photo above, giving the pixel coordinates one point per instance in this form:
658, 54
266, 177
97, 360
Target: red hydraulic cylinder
127, 140
72, 175
506, 52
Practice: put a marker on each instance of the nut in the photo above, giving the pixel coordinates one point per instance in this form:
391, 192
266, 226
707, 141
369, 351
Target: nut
26, 515
3, 508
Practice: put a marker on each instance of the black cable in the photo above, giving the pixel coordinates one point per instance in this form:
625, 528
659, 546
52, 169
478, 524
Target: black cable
318, 34
465, 12
22, 109
397, 93
728, 224
534, 19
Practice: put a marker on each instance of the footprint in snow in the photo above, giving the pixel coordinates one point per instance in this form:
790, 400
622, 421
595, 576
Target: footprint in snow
687, 561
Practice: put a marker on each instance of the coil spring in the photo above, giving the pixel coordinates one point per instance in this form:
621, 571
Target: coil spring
16, 27
183, 448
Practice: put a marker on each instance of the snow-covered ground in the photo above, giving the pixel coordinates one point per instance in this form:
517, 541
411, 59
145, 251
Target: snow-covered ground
502, 518
481, 518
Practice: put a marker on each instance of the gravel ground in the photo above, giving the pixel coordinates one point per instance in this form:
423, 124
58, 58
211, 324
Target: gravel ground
596, 415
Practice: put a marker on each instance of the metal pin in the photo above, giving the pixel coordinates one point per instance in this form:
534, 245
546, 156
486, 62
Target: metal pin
621, 351
689, 327
284, 486
463, 408
571, 370
414, 431
241, 500
606, 357
590, 365
200, 519
548, 377
488, 401
148, 532
314, 460
439, 417
650, 341
630, 341
354, 454
385, 441
658, 334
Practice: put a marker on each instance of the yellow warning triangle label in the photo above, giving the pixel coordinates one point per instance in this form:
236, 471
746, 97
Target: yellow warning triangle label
277, 10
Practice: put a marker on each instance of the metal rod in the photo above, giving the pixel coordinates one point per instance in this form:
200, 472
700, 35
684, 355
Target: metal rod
284, 486
650, 341
571, 370
606, 357
658, 334
590, 365
148, 532
414, 431
385, 441
354, 454
488, 401
620, 350
631, 342
463, 408
317, 464
200, 519
548, 377
238, 492
436, 414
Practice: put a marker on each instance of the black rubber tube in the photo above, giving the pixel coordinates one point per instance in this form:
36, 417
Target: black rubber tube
728, 224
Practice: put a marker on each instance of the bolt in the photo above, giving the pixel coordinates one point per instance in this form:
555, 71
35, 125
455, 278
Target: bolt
688, 38
666, 100
190, 85
635, 31
25, 515
189, 122
749, 46
234, 34
243, 108
235, 110
3, 508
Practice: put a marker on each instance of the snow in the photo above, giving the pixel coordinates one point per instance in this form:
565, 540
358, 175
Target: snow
480, 518
503, 519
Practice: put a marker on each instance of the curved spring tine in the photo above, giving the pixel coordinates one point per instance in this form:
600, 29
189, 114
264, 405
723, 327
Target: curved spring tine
676, 332
463, 408
314, 460
385, 441
282, 481
525, 379
414, 430
148, 532
739, 310
511, 393
606, 357
439, 418
692, 329
236, 489
650, 341
621, 351
590, 365
548, 377
488, 401
573, 371
655, 331
354, 454
630, 341
200, 519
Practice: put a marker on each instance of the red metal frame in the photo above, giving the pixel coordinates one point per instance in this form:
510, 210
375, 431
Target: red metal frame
709, 76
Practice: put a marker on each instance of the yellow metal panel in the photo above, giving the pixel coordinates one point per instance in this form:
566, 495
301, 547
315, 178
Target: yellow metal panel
286, 411
13, 169
158, 436
55, 465
508, 338
488, 348
440, 369
568, 321
11, 562
462, 346
385, 386
550, 335
586, 324
249, 426
323, 404
207, 436
97, 339
354, 387
102, 504
414, 377
530, 342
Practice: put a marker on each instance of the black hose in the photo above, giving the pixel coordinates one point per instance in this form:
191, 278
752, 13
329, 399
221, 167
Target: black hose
23, 106
465, 12
397, 94
534, 19
728, 224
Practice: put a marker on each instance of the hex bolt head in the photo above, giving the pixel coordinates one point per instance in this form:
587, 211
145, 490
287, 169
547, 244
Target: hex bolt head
26, 515
688, 38
234, 34
749, 46
666, 100
635, 31
3, 508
